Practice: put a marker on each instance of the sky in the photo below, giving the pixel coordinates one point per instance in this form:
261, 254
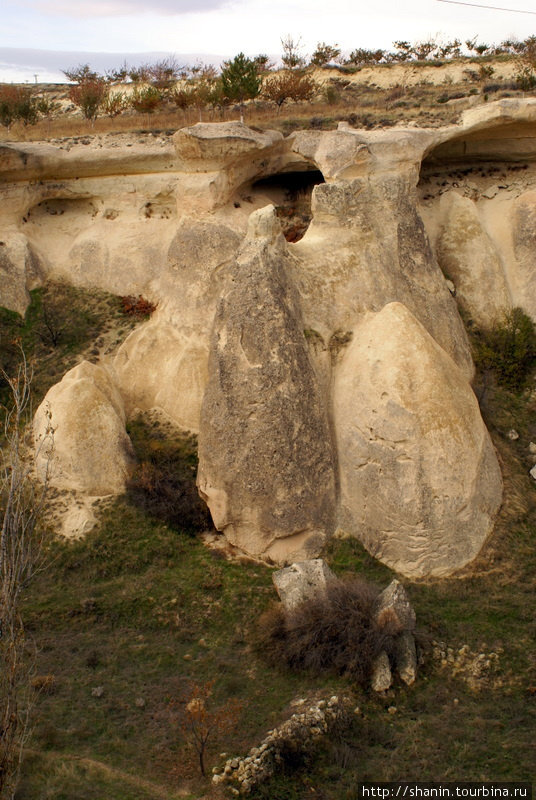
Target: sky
226, 27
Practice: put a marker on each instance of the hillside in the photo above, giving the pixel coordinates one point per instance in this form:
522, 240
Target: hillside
313, 330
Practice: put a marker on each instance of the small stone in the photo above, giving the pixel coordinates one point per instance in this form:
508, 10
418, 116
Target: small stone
513, 435
532, 473
187, 657
451, 287
532, 448
304, 580
381, 673
405, 657
139, 702
455, 701
392, 710
393, 610
97, 691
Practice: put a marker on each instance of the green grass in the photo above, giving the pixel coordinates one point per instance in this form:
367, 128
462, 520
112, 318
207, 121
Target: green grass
61, 324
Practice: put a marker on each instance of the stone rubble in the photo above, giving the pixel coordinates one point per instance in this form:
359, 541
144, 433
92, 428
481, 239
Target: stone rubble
297, 735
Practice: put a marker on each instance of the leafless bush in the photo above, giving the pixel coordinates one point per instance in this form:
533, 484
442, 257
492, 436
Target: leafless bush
21, 540
334, 633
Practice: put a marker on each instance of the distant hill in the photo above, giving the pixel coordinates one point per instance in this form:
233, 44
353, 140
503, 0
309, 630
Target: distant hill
21, 65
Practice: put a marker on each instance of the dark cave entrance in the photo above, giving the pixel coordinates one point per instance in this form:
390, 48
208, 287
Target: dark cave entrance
290, 192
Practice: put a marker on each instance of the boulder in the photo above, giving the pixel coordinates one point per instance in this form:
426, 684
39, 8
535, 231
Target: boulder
91, 451
419, 477
266, 463
367, 247
20, 270
393, 612
467, 255
157, 366
405, 657
305, 580
524, 238
381, 678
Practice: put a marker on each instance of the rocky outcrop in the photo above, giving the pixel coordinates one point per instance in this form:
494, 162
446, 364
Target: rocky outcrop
91, 451
524, 237
305, 580
266, 464
468, 257
19, 271
328, 379
420, 482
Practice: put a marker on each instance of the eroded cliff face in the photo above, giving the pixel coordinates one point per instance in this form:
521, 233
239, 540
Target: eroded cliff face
327, 378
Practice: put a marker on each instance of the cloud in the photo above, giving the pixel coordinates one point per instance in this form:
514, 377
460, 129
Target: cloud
108, 8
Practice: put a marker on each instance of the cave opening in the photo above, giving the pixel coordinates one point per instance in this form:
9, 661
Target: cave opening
290, 192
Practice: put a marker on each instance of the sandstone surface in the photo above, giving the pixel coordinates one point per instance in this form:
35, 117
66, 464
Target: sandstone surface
467, 255
266, 464
91, 451
272, 343
420, 482
304, 580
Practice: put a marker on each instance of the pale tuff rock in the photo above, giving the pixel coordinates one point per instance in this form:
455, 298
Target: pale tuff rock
420, 481
524, 237
393, 612
305, 580
294, 330
367, 247
206, 146
469, 258
91, 451
164, 363
153, 362
405, 657
381, 678
20, 271
266, 466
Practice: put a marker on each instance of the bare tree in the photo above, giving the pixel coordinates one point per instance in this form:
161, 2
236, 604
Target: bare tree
21, 539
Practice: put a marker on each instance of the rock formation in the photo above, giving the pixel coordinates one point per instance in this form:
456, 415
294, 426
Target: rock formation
328, 378
420, 483
91, 451
266, 466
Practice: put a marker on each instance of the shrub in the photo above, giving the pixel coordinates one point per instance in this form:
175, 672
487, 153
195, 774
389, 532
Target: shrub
334, 633
17, 103
90, 96
146, 99
137, 306
508, 349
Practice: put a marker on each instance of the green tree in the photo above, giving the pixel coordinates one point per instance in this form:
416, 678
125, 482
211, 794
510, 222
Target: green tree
240, 80
17, 103
324, 53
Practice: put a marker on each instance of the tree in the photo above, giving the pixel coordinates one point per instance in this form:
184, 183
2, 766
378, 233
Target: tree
145, 99
21, 540
325, 53
289, 85
364, 56
202, 723
292, 58
17, 103
81, 74
90, 95
240, 80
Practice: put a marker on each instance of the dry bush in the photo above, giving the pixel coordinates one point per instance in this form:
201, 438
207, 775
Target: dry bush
334, 633
137, 306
